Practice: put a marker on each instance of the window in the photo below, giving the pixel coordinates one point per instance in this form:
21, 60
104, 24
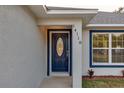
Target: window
100, 48
107, 48
118, 47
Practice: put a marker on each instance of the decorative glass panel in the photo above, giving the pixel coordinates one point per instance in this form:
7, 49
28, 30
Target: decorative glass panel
60, 46
100, 40
118, 40
100, 55
117, 55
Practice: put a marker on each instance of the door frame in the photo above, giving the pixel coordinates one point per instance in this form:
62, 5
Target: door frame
49, 31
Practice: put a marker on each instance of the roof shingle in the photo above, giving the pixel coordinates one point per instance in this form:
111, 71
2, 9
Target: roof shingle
107, 18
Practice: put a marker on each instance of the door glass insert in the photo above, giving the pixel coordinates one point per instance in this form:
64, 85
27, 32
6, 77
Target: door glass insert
59, 46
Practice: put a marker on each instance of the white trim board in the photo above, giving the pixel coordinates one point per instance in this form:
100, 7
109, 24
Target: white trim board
61, 10
105, 25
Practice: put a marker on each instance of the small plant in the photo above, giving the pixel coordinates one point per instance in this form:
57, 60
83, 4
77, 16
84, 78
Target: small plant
122, 72
90, 73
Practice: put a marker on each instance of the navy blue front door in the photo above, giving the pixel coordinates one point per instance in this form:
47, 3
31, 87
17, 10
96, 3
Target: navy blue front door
60, 52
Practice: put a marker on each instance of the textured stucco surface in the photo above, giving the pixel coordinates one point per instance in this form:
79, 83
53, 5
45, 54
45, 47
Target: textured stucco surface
21, 49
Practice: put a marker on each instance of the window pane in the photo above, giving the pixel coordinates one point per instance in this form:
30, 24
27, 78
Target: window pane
118, 40
100, 40
118, 55
100, 55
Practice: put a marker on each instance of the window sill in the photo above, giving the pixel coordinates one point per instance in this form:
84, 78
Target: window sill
112, 66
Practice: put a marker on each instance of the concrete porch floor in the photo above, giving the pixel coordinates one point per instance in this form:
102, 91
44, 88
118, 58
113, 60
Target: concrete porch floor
57, 82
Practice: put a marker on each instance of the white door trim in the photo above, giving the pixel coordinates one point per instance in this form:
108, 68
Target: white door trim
50, 53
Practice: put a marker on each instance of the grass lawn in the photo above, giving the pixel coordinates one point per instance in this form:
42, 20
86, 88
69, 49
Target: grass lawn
103, 83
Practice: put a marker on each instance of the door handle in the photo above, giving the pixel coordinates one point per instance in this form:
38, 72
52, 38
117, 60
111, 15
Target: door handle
67, 53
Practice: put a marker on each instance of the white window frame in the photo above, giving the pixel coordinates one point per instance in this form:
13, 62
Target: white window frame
109, 49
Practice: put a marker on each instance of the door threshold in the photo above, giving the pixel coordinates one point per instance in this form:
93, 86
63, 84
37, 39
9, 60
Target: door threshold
59, 74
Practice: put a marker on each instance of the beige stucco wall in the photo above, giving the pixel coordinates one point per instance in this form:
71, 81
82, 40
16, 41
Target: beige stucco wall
21, 48
85, 62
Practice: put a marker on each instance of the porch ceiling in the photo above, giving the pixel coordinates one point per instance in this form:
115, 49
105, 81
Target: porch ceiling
41, 11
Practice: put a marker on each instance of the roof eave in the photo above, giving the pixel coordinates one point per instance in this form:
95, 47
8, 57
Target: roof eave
105, 25
70, 11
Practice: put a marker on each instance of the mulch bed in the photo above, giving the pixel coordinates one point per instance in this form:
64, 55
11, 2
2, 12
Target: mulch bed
102, 77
